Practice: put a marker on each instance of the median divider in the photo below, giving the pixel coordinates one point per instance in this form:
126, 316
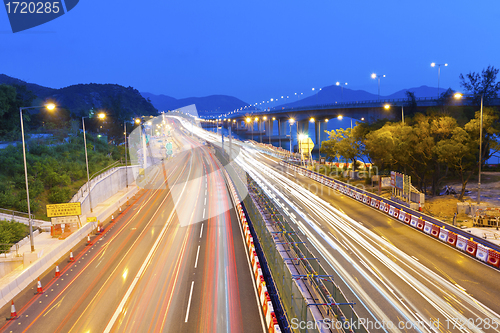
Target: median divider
260, 282
475, 246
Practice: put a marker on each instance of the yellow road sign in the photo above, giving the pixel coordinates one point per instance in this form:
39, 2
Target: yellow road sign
91, 219
64, 209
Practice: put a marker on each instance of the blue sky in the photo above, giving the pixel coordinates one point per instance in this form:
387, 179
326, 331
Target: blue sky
255, 50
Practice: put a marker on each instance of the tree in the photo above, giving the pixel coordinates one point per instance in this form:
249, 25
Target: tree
459, 153
346, 143
484, 83
411, 105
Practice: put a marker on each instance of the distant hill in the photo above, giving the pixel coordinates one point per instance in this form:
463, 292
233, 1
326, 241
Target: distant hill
126, 102
212, 105
334, 94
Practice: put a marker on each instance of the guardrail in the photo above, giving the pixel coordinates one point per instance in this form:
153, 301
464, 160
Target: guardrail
306, 292
476, 247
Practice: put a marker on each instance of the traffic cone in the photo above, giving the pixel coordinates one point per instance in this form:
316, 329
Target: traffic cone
419, 207
112, 219
88, 240
13, 313
58, 274
71, 256
39, 289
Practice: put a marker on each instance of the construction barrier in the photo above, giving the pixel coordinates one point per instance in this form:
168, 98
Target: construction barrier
482, 253
443, 234
494, 258
461, 242
471, 247
435, 231
452, 238
427, 227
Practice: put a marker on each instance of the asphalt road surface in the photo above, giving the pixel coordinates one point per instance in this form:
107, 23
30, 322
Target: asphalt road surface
400, 279
173, 261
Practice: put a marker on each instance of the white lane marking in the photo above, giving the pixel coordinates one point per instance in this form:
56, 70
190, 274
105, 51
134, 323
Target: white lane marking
289, 173
201, 231
203, 212
189, 302
205, 192
415, 258
197, 254
205, 201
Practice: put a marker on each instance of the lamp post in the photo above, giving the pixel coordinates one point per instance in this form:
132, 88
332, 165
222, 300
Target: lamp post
375, 76
249, 120
341, 90
279, 130
291, 121
458, 96
100, 116
49, 107
268, 128
258, 128
388, 106
439, 72
125, 136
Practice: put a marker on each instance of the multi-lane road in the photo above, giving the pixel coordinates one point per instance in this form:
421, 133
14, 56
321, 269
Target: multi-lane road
173, 261
400, 279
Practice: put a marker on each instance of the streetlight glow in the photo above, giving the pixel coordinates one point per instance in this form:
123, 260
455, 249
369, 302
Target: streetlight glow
101, 115
50, 106
387, 106
311, 120
339, 117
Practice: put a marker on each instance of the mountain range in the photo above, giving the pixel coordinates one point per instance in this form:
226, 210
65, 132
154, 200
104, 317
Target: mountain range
204, 105
336, 94
79, 99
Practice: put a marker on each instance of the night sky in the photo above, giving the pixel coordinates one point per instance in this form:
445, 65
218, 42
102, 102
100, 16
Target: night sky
255, 50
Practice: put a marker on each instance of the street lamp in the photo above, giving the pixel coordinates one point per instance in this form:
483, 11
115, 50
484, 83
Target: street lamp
439, 72
50, 107
388, 106
341, 90
100, 116
291, 121
375, 76
258, 128
458, 96
248, 124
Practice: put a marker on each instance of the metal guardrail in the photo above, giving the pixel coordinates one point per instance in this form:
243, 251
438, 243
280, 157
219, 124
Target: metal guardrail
14, 213
327, 298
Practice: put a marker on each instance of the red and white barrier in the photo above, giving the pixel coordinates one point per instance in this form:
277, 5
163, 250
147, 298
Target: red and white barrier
482, 253
402, 215
427, 227
452, 238
471, 247
443, 234
420, 224
435, 230
461, 242
391, 210
494, 258
414, 221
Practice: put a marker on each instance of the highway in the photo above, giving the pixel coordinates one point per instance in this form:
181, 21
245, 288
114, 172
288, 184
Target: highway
400, 279
173, 261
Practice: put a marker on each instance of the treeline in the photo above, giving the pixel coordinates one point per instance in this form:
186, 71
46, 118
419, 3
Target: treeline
442, 142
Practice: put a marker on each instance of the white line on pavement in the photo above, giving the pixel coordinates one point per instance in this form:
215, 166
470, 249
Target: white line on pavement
197, 254
189, 302
201, 231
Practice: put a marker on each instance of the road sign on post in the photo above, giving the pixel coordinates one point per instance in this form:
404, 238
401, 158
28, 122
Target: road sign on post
64, 209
